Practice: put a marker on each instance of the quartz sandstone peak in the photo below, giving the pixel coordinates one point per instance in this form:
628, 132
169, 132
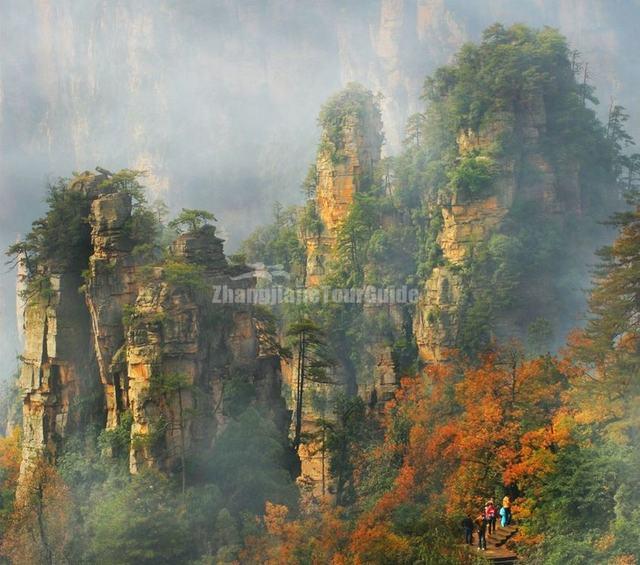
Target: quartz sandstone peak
341, 172
470, 221
136, 342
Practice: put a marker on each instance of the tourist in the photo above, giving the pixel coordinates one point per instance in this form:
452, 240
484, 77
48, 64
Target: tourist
467, 524
490, 513
481, 524
506, 504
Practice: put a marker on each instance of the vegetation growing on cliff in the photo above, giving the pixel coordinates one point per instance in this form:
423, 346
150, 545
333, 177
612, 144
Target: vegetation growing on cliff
505, 418
60, 241
278, 243
191, 220
346, 109
504, 116
556, 433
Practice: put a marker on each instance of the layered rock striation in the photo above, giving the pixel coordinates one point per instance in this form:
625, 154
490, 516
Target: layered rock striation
345, 164
143, 344
523, 174
59, 380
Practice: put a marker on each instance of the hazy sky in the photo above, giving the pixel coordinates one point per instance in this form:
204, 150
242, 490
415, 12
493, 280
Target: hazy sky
218, 99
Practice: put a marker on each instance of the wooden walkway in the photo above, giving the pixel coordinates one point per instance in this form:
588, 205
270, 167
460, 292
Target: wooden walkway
497, 552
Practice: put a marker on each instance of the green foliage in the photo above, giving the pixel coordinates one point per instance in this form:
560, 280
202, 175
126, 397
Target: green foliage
143, 229
146, 252
308, 340
226, 537
239, 394
415, 130
267, 328
163, 384
61, 240
488, 94
429, 252
117, 440
518, 276
310, 221
249, 462
592, 494
525, 272
310, 182
237, 259
615, 303
278, 243
588, 506
472, 176
344, 437
126, 181
509, 65
143, 517
142, 521
354, 103
129, 314
183, 274
191, 220
353, 240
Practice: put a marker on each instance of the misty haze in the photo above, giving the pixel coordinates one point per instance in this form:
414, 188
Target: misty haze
475, 155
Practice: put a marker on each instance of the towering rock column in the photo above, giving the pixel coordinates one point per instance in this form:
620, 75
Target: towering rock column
110, 288
176, 355
525, 173
58, 377
57, 369
183, 348
345, 164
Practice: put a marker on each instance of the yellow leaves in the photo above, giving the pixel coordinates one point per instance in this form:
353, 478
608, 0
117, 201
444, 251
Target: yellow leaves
623, 560
629, 342
10, 456
505, 423
371, 544
323, 536
534, 460
44, 505
463, 437
274, 517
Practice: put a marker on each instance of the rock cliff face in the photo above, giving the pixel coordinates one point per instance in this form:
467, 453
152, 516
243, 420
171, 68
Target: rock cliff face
110, 288
58, 369
181, 351
525, 175
145, 340
346, 163
341, 172
92, 97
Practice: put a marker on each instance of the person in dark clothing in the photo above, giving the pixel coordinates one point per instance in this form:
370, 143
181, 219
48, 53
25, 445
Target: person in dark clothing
481, 526
467, 525
490, 513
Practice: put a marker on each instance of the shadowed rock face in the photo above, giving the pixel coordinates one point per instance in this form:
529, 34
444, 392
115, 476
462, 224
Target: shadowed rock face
58, 370
470, 221
111, 287
139, 342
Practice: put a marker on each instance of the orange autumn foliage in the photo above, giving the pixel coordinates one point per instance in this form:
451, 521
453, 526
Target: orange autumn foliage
453, 438
319, 540
10, 456
498, 424
40, 529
